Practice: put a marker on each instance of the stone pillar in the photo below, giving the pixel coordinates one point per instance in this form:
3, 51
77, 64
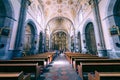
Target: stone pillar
76, 43
83, 43
44, 41
50, 43
35, 44
102, 51
21, 28
44, 37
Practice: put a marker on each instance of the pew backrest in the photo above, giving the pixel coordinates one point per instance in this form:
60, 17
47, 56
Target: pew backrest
26, 68
101, 67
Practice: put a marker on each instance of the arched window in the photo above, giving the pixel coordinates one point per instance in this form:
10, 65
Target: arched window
29, 40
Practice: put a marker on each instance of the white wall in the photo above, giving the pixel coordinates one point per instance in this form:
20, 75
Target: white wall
16, 7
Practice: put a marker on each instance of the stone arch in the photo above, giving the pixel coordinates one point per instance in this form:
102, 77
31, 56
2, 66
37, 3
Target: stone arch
84, 50
60, 17
90, 40
64, 17
84, 37
113, 15
116, 12
6, 20
30, 38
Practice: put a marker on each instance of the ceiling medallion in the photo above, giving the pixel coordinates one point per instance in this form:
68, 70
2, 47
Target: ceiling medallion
70, 2
59, 10
48, 2
59, 1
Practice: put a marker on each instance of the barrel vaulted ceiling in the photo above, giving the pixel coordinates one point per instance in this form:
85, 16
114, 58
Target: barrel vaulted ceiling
60, 14
60, 8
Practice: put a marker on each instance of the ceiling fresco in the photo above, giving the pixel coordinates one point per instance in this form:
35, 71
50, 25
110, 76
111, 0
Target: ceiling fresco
61, 14
60, 8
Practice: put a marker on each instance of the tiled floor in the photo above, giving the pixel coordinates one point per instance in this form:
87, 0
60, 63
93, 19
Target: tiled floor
59, 69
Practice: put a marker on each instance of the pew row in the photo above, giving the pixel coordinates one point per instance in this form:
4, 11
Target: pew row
32, 68
14, 76
85, 68
97, 60
104, 76
86, 57
46, 56
71, 56
41, 62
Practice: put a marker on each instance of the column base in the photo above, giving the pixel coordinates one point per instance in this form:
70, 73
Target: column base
114, 54
8, 54
17, 53
102, 53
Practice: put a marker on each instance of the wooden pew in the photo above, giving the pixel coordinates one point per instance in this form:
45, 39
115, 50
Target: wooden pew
84, 68
41, 62
71, 58
46, 56
26, 68
49, 55
34, 58
104, 76
14, 76
86, 57
69, 55
97, 60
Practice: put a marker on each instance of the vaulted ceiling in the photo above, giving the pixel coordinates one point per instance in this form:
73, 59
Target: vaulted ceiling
60, 8
64, 12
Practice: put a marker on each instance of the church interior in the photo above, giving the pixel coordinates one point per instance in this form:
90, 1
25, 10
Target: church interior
59, 39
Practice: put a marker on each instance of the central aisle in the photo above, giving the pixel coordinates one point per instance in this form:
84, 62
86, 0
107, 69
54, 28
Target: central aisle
60, 69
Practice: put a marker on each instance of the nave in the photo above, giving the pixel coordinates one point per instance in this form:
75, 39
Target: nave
60, 69
87, 31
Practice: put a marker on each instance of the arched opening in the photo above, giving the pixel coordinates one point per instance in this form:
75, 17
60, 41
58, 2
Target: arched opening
59, 25
116, 13
6, 26
59, 41
40, 42
29, 39
2, 13
79, 42
90, 39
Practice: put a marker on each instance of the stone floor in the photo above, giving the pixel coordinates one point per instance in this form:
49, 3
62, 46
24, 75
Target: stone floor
59, 69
